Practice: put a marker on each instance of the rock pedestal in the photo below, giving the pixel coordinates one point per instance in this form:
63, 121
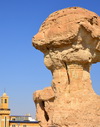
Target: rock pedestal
70, 41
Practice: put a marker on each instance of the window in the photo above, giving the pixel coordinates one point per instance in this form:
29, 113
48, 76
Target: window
24, 126
13, 125
5, 101
13, 119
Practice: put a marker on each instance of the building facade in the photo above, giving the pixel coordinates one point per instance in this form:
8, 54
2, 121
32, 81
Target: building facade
7, 120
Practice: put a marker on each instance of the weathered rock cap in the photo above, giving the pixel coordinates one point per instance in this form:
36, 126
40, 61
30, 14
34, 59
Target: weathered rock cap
62, 28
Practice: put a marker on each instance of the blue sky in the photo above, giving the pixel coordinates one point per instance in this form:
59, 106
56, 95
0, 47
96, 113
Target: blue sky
22, 70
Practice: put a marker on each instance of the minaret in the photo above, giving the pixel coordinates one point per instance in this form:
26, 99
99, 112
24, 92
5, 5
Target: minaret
4, 111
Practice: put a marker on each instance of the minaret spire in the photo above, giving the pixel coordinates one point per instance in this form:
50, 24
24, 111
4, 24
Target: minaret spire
4, 110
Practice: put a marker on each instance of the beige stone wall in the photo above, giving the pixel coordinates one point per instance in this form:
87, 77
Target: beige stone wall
22, 124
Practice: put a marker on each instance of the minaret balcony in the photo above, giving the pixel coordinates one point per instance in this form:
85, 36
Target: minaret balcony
4, 111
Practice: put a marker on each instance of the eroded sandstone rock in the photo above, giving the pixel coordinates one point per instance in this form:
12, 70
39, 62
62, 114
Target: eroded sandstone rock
70, 41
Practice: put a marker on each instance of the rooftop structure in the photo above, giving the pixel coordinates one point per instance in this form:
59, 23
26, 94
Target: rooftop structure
7, 120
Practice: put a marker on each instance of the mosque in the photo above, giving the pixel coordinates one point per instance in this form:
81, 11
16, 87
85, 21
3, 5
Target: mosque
7, 120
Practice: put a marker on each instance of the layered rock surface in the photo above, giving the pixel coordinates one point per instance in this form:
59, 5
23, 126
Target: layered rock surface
70, 41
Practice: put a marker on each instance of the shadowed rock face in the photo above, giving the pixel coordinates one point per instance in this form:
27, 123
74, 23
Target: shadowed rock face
70, 41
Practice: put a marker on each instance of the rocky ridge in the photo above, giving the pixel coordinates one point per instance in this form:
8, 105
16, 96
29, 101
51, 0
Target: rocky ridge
70, 41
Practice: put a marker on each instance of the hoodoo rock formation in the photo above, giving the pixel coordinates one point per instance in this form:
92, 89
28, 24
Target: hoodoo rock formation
70, 41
